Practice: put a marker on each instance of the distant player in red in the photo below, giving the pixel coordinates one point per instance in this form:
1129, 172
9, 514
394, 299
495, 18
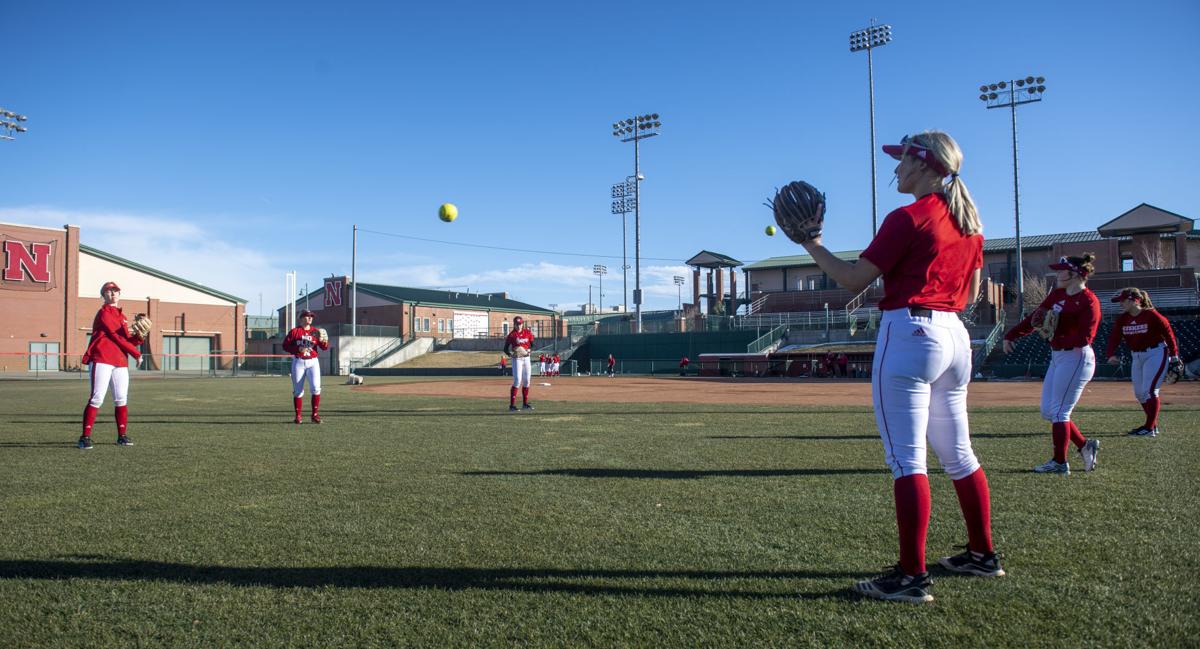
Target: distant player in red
302, 343
612, 365
683, 366
518, 345
107, 353
1072, 359
929, 254
1152, 341
554, 364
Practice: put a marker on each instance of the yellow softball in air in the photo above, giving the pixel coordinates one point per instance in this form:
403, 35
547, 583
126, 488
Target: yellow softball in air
447, 212
770, 230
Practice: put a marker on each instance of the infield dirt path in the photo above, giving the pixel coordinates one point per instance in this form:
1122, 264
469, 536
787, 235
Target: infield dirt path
805, 392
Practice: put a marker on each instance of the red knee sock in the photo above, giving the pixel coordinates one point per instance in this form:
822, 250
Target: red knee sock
512, 396
122, 414
525, 396
316, 403
912, 518
89, 419
1077, 437
975, 500
1061, 438
1151, 406
298, 402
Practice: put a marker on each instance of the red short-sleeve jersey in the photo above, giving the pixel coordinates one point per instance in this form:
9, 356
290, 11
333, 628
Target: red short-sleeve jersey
926, 261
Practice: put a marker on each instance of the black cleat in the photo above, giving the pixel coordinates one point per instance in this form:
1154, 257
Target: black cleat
513, 409
895, 586
985, 564
528, 406
123, 440
85, 442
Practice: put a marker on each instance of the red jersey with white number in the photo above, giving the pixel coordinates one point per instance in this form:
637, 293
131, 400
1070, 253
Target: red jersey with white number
519, 338
111, 342
1078, 319
303, 343
1141, 332
926, 261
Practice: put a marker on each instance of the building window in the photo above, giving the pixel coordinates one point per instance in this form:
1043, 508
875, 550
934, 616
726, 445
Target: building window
43, 357
441, 326
814, 282
426, 324
504, 329
1126, 263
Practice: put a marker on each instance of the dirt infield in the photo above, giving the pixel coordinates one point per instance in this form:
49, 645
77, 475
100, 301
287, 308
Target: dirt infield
807, 392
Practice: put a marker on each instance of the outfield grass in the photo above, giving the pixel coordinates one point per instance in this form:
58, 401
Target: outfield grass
437, 522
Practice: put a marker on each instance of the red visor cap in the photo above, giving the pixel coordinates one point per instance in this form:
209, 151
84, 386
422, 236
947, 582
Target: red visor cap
1065, 264
917, 151
108, 285
1126, 295
306, 313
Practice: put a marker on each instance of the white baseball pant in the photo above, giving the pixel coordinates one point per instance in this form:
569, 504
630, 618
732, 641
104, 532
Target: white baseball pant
522, 368
1148, 371
1069, 371
102, 375
302, 368
921, 370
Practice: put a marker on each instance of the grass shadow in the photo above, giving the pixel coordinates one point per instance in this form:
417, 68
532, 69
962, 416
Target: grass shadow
541, 580
665, 474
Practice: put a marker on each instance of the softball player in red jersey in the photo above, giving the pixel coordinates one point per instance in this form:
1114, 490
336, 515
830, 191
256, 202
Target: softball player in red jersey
1152, 341
518, 339
929, 254
1072, 359
302, 343
107, 353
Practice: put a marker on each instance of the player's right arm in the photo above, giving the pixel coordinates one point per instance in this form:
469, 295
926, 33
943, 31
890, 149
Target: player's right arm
1025, 326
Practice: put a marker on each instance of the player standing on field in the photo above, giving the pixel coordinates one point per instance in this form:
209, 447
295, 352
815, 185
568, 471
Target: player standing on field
1152, 341
517, 345
302, 343
107, 353
929, 254
1072, 359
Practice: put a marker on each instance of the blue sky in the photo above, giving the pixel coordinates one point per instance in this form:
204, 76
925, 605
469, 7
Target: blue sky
231, 142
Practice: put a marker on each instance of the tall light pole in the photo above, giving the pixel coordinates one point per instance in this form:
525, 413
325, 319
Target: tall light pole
868, 39
1011, 94
623, 203
601, 270
679, 290
10, 122
636, 129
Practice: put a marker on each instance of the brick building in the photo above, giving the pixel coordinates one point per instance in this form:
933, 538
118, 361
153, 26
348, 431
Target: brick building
50, 292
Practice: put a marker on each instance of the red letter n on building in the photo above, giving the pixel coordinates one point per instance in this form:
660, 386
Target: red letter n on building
19, 262
333, 292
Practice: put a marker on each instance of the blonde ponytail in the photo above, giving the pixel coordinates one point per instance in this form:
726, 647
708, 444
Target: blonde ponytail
958, 198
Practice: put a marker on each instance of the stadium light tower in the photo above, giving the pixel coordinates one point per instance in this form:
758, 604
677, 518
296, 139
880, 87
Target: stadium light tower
679, 290
1010, 94
622, 203
868, 39
601, 270
10, 122
636, 129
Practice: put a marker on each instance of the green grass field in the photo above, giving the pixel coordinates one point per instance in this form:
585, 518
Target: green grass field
441, 522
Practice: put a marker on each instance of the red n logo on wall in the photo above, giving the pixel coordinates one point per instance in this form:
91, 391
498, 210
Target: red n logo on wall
19, 261
333, 292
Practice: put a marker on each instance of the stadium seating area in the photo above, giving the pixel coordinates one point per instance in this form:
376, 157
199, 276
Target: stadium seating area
1033, 352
